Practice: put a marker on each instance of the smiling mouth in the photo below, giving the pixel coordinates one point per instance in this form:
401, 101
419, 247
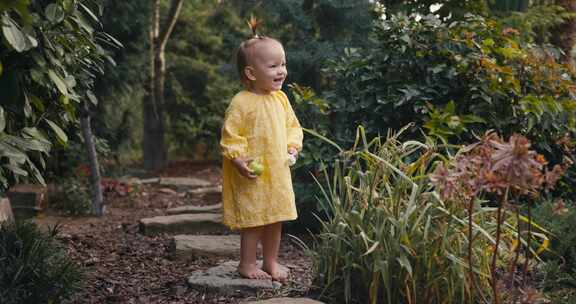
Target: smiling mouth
279, 80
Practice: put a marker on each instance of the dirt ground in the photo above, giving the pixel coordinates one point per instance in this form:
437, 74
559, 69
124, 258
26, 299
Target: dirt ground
124, 266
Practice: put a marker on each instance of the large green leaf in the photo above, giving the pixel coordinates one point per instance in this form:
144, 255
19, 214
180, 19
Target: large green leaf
2, 120
54, 13
57, 80
13, 34
17, 39
60, 134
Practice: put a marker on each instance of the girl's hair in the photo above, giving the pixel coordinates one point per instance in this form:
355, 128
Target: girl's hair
242, 53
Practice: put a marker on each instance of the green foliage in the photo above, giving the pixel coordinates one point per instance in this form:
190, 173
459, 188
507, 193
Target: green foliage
49, 57
71, 197
388, 238
415, 67
559, 219
34, 268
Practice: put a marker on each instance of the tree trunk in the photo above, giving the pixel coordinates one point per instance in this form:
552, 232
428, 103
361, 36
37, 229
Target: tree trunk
95, 179
154, 148
565, 33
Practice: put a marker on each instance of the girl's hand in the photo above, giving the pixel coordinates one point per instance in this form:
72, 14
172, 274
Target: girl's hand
241, 165
293, 151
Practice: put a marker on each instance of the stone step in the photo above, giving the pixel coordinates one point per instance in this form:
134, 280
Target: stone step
27, 195
195, 209
225, 280
187, 246
6, 214
212, 193
184, 183
182, 224
285, 301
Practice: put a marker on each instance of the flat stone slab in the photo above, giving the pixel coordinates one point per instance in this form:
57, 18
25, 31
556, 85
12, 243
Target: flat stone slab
153, 180
6, 214
225, 280
27, 195
182, 224
186, 246
285, 301
184, 182
195, 209
206, 190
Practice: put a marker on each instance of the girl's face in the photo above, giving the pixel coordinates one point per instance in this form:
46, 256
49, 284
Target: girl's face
267, 67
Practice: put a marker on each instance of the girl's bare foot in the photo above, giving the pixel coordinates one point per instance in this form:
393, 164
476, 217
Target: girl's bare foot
277, 272
253, 272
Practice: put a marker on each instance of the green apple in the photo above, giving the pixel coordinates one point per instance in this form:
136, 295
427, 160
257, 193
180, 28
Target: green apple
256, 167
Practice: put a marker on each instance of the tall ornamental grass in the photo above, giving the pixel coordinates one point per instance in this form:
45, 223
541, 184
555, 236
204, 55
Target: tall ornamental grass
389, 238
405, 224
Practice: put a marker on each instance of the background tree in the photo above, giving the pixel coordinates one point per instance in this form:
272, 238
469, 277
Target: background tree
154, 150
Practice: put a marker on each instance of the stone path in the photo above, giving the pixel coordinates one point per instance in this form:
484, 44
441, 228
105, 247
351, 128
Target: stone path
198, 232
186, 246
224, 279
183, 224
195, 209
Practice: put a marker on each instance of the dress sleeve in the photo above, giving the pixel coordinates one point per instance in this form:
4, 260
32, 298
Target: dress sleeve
233, 142
293, 129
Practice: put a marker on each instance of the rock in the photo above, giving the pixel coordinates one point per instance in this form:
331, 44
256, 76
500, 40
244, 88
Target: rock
27, 195
167, 191
182, 224
225, 280
153, 180
206, 190
195, 209
209, 193
184, 182
6, 214
27, 200
285, 301
186, 246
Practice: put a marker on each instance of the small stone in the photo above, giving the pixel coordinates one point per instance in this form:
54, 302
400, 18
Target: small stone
185, 246
153, 180
206, 190
184, 182
225, 280
168, 191
182, 224
195, 209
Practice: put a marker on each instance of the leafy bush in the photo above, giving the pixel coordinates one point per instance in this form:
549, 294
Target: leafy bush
71, 197
454, 79
560, 259
416, 67
34, 268
389, 238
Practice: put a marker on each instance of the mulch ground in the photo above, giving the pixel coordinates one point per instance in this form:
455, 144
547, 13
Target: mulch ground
124, 266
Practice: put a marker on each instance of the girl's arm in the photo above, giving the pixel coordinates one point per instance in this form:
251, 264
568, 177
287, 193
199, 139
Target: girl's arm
294, 133
233, 143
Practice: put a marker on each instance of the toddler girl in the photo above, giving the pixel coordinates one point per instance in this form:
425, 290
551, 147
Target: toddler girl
260, 125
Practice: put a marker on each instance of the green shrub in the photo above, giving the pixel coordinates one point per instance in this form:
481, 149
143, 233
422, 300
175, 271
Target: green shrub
389, 238
34, 268
72, 197
454, 79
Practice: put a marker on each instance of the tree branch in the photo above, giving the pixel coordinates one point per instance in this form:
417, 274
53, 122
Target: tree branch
175, 7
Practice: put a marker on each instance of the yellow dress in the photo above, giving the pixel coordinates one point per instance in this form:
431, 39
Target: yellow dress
264, 127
